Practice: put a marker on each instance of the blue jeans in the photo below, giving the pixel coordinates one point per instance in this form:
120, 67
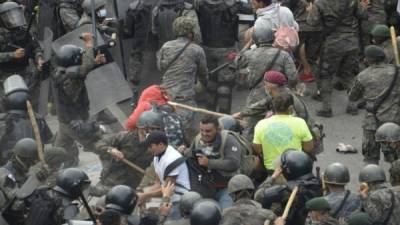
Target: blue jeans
223, 198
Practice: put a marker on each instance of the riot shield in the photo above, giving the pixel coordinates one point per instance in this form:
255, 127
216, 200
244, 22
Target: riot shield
106, 86
28, 187
45, 84
45, 43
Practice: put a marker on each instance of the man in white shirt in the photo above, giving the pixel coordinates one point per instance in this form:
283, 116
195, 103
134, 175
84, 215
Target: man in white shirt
170, 167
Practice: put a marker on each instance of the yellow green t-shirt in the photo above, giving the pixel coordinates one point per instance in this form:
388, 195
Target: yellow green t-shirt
278, 133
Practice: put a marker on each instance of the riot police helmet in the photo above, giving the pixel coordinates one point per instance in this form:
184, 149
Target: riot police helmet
72, 182
372, 173
69, 55
188, 200
99, 7
337, 173
262, 32
388, 132
12, 15
121, 198
26, 148
240, 182
150, 119
295, 164
171, 2
205, 211
16, 93
229, 123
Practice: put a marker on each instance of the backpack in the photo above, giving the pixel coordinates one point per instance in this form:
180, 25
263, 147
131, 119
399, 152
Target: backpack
286, 38
43, 208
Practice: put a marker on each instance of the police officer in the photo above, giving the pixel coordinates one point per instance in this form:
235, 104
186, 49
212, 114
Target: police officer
342, 201
244, 210
17, 47
296, 168
73, 64
15, 122
69, 12
188, 200
380, 202
388, 135
123, 199
205, 212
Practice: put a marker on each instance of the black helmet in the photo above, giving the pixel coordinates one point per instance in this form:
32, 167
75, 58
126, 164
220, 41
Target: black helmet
150, 119
72, 182
229, 123
187, 202
295, 164
205, 212
69, 55
389, 132
16, 93
98, 4
26, 148
337, 173
12, 15
372, 173
121, 198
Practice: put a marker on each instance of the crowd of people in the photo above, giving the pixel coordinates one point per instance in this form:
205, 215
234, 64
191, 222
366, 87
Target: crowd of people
171, 165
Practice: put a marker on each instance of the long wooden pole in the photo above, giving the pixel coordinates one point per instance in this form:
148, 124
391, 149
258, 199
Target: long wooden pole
289, 203
394, 44
36, 132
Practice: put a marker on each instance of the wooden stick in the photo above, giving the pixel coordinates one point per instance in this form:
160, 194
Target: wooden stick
394, 43
195, 109
289, 203
132, 165
36, 132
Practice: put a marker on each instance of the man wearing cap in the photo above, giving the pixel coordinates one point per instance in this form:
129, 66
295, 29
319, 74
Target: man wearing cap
170, 167
374, 86
318, 211
381, 37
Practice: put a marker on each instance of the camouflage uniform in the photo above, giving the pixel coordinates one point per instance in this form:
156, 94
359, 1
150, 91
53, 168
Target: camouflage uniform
352, 204
378, 203
369, 85
70, 12
376, 15
179, 79
115, 172
340, 48
388, 48
246, 212
256, 62
325, 221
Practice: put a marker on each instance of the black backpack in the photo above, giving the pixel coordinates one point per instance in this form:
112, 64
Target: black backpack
43, 208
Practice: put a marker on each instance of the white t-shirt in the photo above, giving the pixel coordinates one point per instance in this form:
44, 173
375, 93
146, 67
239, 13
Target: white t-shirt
182, 172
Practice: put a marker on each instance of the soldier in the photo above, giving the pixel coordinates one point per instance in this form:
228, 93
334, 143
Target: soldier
70, 12
340, 49
122, 199
372, 85
205, 212
296, 168
342, 202
258, 61
73, 64
244, 211
376, 15
318, 210
17, 48
359, 218
388, 135
381, 37
165, 13
15, 122
380, 202
182, 60
188, 201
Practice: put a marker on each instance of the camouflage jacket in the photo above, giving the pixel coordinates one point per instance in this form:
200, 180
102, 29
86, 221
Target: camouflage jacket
325, 221
379, 202
352, 204
179, 78
370, 84
376, 15
388, 48
128, 143
70, 13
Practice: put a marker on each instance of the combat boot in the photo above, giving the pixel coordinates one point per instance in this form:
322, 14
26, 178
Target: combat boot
326, 93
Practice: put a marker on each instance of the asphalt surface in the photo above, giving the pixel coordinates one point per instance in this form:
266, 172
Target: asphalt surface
341, 128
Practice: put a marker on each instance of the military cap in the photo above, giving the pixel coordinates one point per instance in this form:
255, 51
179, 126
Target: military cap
318, 204
359, 218
275, 77
380, 30
182, 26
374, 52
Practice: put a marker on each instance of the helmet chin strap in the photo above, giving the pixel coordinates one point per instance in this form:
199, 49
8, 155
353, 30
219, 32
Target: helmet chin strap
22, 164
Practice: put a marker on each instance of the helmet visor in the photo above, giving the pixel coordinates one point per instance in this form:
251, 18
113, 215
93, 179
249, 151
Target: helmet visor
13, 18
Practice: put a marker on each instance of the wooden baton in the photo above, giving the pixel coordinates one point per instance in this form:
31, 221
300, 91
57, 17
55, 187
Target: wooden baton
36, 132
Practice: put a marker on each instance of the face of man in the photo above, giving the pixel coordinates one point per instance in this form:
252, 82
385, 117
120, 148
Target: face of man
257, 4
268, 87
156, 149
208, 132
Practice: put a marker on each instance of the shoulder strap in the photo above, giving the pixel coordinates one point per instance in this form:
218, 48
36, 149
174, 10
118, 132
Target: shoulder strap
173, 166
224, 136
387, 92
346, 196
390, 212
267, 68
175, 58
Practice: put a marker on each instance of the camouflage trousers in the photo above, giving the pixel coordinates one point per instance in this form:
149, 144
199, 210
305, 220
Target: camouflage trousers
221, 83
66, 138
187, 117
370, 148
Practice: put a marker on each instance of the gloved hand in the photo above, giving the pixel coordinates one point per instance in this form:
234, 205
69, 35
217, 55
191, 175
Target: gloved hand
43, 173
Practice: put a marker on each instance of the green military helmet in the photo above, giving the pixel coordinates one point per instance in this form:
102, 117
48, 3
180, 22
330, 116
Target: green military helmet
72, 182
187, 202
240, 182
389, 132
374, 52
262, 32
205, 212
394, 173
295, 164
380, 30
359, 218
372, 173
182, 26
150, 119
55, 156
12, 15
26, 148
336, 173
229, 123
318, 204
